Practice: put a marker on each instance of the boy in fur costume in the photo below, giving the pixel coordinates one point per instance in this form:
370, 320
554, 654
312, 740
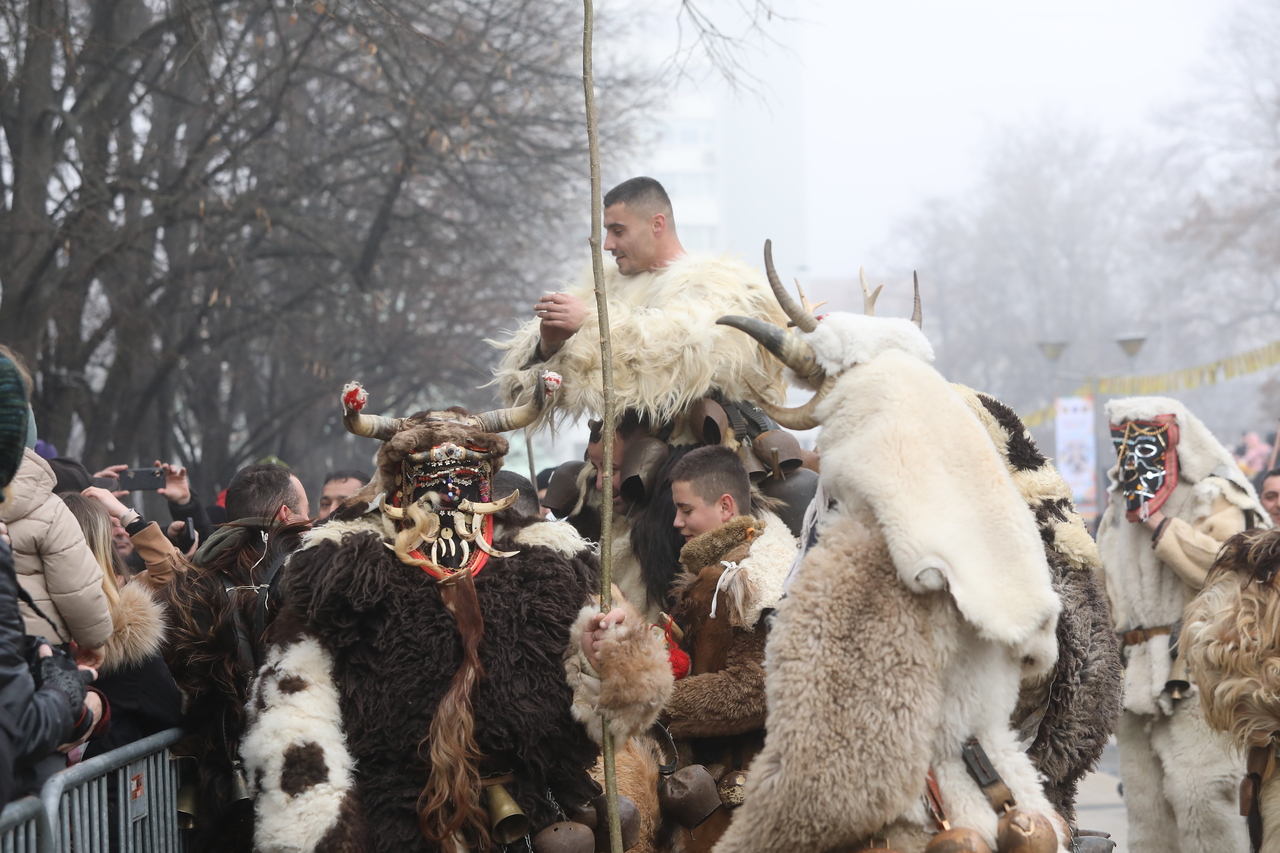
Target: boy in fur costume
1176, 495
734, 566
436, 643
1231, 636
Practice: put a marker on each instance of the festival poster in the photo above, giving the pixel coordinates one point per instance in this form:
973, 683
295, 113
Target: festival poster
1076, 452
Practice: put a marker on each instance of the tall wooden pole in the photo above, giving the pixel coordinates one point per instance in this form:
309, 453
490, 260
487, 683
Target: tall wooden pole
606, 372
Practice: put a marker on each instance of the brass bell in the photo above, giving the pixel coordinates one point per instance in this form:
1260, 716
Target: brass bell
1025, 832
733, 789
567, 836
187, 798
688, 796
239, 784
958, 839
506, 820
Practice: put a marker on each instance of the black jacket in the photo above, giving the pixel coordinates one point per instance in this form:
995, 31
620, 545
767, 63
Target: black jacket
39, 720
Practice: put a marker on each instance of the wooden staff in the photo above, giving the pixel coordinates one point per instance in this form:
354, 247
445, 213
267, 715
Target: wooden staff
1275, 446
606, 373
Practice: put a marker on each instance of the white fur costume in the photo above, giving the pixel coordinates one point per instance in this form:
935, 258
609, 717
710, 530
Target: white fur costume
909, 625
667, 349
1180, 778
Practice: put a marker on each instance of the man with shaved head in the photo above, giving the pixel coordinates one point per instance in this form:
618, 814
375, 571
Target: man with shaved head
668, 354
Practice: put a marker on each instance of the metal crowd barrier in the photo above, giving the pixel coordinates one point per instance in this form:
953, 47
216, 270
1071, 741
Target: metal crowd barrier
21, 823
125, 801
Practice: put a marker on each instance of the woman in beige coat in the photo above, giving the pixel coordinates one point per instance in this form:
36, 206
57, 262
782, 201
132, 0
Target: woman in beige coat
53, 563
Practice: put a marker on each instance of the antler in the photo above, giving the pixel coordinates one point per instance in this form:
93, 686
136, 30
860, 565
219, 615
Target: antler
917, 316
868, 298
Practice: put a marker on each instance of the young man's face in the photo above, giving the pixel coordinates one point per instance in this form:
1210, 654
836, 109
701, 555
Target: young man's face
630, 237
1271, 498
335, 492
694, 516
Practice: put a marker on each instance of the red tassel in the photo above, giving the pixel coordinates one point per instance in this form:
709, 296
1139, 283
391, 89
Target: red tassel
679, 662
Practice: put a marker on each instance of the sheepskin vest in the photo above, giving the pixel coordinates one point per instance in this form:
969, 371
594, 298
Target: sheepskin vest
1144, 592
667, 349
365, 649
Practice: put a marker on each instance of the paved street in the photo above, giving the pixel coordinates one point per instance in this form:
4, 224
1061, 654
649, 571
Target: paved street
1098, 805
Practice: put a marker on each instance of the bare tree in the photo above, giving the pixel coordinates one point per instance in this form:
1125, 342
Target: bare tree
217, 211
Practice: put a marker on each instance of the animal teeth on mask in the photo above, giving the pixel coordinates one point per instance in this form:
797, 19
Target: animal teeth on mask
466, 552
491, 551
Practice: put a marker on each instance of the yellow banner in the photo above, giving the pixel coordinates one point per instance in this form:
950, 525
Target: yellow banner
1186, 379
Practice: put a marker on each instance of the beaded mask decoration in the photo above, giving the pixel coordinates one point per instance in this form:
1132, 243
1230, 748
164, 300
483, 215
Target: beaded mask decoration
1147, 453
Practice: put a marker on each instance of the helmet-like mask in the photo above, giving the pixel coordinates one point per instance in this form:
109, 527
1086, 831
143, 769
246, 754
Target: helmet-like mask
436, 470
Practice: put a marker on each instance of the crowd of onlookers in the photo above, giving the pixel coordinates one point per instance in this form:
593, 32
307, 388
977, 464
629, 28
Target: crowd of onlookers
93, 595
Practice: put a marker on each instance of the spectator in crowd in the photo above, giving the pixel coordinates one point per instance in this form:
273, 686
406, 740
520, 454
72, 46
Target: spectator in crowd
506, 481
184, 507
338, 486
54, 564
220, 609
1269, 495
143, 697
160, 557
34, 722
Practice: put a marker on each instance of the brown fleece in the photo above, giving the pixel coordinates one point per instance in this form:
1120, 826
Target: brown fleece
636, 675
728, 702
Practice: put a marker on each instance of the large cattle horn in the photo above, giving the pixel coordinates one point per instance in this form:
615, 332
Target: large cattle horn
801, 318
371, 426
505, 420
801, 417
789, 349
917, 316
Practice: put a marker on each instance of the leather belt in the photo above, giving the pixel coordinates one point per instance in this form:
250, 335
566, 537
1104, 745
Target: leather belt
1141, 635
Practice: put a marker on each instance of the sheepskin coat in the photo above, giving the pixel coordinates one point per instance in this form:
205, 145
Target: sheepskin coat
53, 562
1066, 718
143, 696
899, 638
1150, 585
667, 349
364, 650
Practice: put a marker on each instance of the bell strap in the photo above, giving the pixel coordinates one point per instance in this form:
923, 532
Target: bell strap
665, 735
987, 777
933, 802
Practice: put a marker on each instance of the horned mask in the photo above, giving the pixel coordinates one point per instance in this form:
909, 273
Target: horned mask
437, 470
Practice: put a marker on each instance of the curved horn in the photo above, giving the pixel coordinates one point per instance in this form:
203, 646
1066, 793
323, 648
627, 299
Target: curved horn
789, 349
917, 316
801, 417
505, 420
800, 317
371, 426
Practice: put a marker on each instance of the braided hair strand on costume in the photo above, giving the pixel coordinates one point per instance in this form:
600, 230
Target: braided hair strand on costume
422, 525
451, 801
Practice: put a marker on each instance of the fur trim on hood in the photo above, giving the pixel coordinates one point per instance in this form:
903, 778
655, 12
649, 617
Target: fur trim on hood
759, 583
667, 349
140, 627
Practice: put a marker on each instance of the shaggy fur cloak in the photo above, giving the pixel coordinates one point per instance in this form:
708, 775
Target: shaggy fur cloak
1067, 717
361, 656
912, 622
667, 349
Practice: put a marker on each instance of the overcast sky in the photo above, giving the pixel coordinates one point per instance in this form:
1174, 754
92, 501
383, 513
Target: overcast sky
902, 100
